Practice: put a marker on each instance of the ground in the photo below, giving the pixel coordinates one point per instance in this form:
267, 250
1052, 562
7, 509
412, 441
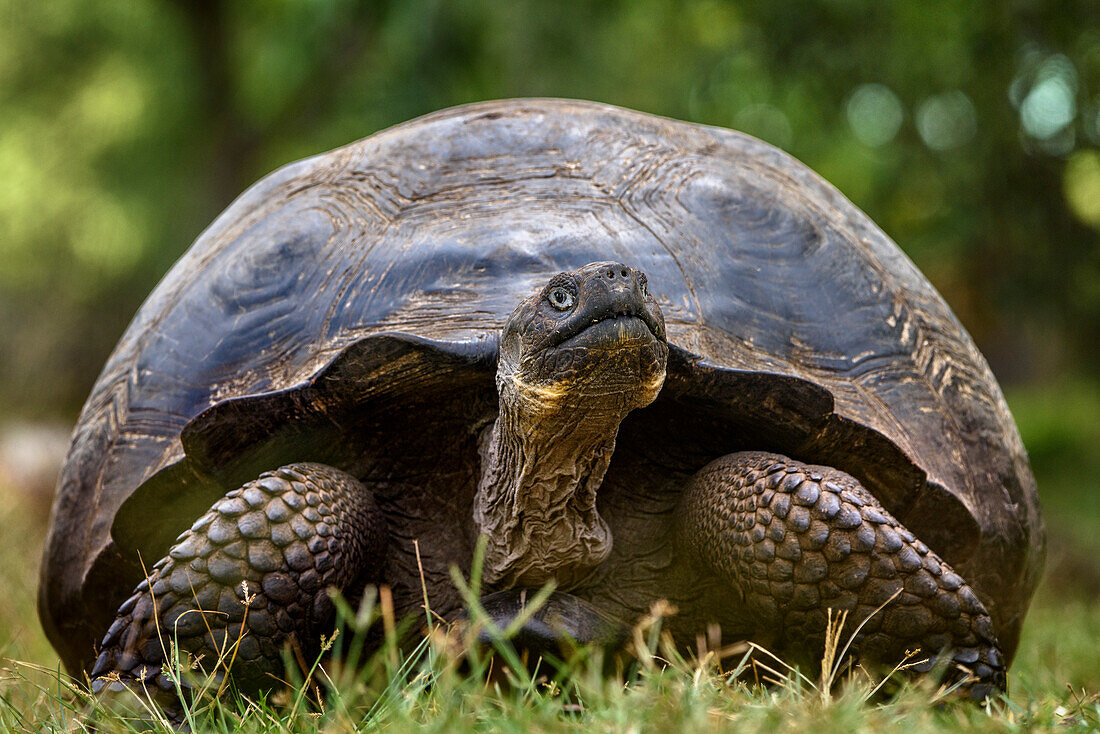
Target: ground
1054, 685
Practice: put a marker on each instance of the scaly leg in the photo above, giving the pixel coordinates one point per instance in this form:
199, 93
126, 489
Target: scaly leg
796, 540
282, 539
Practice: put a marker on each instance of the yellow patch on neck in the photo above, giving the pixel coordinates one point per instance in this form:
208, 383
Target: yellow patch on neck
657, 382
551, 397
546, 396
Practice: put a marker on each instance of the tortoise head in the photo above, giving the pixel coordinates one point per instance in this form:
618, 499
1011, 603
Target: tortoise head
575, 358
594, 333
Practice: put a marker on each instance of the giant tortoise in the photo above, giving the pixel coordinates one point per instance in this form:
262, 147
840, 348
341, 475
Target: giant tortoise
643, 358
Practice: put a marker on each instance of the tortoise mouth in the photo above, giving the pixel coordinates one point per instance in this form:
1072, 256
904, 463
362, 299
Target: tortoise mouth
614, 331
611, 325
618, 353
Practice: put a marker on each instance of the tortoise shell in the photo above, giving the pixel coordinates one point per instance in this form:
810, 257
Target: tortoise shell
345, 309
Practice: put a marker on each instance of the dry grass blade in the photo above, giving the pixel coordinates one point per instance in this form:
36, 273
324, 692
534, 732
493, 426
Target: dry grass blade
830, 665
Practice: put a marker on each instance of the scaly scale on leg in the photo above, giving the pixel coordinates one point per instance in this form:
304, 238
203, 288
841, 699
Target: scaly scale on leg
797, 540
282, 539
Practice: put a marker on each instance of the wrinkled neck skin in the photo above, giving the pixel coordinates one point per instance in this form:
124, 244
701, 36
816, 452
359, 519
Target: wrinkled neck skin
542, 462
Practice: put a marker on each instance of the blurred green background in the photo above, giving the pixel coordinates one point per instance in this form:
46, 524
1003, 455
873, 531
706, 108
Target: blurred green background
969, 131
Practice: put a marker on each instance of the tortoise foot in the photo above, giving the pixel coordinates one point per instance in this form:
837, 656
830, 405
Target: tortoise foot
798, 541
251, 575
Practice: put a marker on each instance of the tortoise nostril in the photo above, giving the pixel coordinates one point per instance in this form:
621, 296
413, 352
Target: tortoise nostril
623, 272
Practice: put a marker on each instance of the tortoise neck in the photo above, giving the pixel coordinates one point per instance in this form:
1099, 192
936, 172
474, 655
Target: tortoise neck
541, 463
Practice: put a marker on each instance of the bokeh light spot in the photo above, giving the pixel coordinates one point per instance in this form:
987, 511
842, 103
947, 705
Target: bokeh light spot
1081, 183
112, 102
874, 113
1048, 108
1045, 93
946, 121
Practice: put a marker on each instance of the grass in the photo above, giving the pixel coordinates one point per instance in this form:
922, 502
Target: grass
1054, 683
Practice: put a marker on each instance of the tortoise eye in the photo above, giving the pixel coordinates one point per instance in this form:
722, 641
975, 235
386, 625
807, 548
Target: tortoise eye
560, 298
643, 285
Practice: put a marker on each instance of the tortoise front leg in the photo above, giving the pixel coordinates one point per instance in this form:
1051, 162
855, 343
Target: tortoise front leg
796, 540
282, 539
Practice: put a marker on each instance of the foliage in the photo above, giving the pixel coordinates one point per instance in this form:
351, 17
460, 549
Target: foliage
969, 132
